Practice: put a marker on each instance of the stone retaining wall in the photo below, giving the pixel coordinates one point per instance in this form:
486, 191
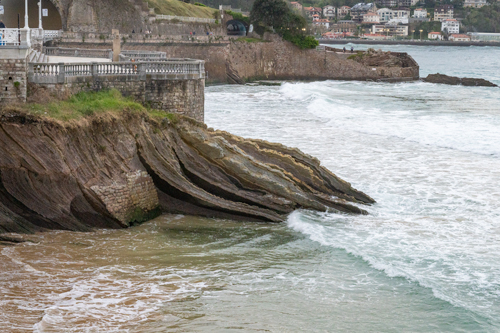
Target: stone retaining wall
130, 201
186, 97
13, 76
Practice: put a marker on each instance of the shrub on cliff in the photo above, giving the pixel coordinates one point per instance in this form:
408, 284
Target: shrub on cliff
289, 25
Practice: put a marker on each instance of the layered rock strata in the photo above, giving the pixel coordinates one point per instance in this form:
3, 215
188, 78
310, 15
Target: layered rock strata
114, 170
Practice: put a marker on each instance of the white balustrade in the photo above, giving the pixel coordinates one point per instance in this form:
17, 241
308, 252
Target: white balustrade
179, 68
10, 37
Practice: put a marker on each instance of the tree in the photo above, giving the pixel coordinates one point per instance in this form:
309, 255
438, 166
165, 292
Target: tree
271, 13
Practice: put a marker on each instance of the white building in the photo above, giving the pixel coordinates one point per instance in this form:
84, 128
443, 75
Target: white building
321, 23
475, 3
390, 30
484, 36
459, 38
329, 11
420, 13
398, 20
435, 35
385, 14
401, 12
371, 18
451, 26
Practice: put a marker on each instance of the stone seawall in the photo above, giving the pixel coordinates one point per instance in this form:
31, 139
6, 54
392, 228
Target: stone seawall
185, 97
273, 60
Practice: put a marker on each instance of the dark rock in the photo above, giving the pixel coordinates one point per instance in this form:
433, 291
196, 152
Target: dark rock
453, 80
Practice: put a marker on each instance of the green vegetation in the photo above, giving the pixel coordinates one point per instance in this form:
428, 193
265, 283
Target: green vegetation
289, 25
426, 27
239, 16
179, 8
90, 103
199, 4
485, 19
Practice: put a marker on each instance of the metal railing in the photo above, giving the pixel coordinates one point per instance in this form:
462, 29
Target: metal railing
176, 69
82, 53
185, 18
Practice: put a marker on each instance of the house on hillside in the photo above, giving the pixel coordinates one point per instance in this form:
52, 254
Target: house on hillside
420, 13
385, 15
451, 26
401, 12
407, 3
343, 11
311, 11
321, 23
329, 12
435, 35
371, 18
296, 5
443, 12
386, 3
360, 9
475, 3
459, 38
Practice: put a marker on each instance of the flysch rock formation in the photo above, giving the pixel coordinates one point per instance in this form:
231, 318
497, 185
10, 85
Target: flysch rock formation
113, 170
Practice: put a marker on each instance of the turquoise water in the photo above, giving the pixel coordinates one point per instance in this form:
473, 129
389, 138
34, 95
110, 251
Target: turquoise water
424, 260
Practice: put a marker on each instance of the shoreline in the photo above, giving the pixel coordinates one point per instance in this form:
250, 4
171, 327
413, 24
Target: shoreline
403, 42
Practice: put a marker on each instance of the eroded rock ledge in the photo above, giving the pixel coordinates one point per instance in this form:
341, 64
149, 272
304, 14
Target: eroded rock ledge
114, 170
455, 81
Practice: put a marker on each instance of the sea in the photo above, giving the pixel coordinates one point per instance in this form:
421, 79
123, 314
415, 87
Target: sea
425, 259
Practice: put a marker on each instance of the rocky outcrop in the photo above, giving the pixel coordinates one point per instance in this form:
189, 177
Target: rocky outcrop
114, 170
453, 80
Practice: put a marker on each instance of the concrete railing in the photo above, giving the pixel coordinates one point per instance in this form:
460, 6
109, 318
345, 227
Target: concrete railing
14, 38
185, 18
82, 53
45, 35
168, 70
127, 55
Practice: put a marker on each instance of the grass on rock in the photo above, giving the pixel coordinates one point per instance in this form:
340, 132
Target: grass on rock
90, 103
180, 8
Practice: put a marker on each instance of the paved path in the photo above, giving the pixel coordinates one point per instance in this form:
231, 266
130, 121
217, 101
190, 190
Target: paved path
57, 59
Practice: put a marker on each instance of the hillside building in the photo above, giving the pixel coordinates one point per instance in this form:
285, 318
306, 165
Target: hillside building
451, 26
329, 12
443, 12
343, 11
475, 3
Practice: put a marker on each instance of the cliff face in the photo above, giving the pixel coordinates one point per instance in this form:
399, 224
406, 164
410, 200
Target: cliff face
111, 171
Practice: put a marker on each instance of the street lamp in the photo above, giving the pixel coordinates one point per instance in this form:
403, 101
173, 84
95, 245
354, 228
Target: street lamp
26, 14
412, 34
420, 34
40, 14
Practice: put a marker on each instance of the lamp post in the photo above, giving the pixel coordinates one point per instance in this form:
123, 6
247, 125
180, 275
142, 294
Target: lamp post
420, 34
412, 34
40, 14
26, 14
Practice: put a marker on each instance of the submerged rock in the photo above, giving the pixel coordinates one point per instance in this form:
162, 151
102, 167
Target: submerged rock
453, 80
114, 170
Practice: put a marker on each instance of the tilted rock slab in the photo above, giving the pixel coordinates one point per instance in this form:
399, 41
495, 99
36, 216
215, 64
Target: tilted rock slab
455, 81
112, 171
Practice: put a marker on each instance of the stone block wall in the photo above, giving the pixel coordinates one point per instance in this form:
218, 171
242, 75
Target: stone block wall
186, 97
13, 80
127, 202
